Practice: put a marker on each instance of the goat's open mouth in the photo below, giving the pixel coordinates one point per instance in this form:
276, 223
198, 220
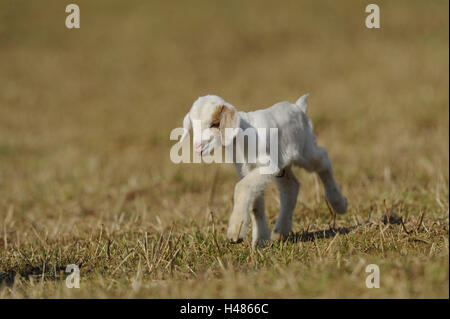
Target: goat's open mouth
200, 152
205, 151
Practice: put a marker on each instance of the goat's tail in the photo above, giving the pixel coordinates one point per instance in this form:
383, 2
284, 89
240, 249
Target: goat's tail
302, 102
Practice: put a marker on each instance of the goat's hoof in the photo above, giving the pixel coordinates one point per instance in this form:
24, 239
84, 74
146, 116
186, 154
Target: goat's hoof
234, 238
235, 234
235, 241
275, 236
260, 243
339, 206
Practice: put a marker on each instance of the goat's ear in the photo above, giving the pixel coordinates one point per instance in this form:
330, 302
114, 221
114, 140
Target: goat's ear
229, 125
187, 126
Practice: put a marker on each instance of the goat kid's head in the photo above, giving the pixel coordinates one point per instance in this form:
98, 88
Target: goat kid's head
215, 123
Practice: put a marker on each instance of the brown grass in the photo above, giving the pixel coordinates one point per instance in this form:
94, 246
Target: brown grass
85, 173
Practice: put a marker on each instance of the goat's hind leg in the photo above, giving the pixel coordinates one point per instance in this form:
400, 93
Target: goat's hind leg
288, 186
321, 164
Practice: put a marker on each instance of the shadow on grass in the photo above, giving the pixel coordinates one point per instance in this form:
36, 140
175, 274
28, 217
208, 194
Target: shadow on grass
305, 236
8, 277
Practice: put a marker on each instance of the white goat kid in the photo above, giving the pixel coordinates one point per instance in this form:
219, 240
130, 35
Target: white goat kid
296, 146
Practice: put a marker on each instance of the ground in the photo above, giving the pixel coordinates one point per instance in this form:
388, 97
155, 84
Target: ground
86, 177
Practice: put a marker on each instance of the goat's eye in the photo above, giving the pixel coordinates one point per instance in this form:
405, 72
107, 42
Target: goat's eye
214, 124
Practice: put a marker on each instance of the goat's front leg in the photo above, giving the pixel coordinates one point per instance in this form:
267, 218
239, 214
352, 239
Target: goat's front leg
260, 228
246, 191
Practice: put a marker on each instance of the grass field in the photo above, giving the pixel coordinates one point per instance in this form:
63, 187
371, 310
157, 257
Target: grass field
85, 172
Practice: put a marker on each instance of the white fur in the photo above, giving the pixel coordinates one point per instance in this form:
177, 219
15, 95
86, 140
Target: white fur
296, 146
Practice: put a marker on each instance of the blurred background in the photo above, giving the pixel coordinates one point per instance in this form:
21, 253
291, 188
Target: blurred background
104, 98
85, 114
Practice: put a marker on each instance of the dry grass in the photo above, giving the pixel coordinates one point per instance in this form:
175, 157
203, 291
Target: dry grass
85, 174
